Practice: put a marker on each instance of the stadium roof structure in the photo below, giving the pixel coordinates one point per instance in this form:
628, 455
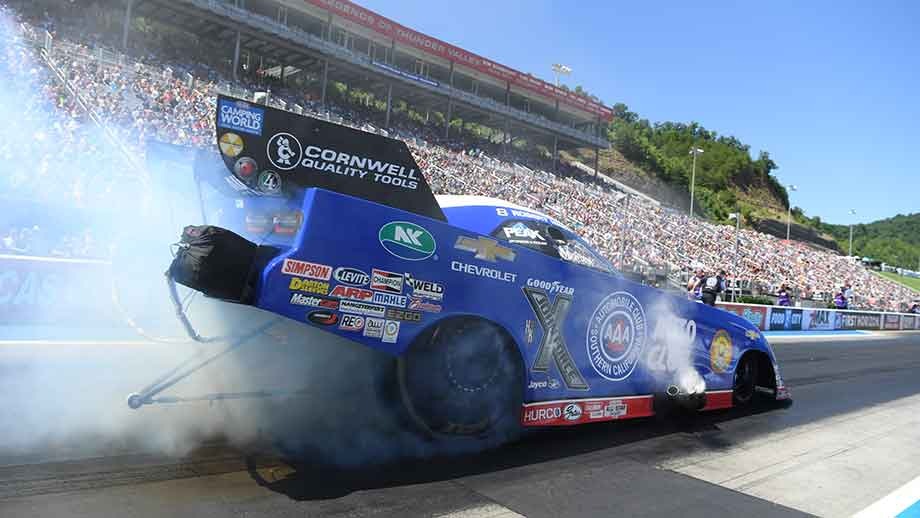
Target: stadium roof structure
342, 41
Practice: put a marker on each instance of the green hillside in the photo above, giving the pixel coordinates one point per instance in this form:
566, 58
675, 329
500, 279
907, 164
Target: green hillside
895, 241
910, 282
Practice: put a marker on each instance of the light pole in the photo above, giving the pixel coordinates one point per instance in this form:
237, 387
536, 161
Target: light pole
693, 151
852, 213
559, 69
737, 217
792, 188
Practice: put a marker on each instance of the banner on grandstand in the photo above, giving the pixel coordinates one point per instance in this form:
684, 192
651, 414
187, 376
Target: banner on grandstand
274, 152
756, 315
891, 322
39, 290
785, 319
393, 31
818, 319
908, 321
858, 320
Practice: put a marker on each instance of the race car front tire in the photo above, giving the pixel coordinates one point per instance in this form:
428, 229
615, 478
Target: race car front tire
463, 377
745, 379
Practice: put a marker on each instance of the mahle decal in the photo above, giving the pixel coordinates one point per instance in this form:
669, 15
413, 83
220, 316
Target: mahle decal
407, 240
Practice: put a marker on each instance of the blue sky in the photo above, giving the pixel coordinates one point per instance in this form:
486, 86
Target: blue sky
830, 89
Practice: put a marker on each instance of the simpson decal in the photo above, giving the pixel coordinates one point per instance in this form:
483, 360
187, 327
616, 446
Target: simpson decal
552, 346
320, 272
720, 351
616, 336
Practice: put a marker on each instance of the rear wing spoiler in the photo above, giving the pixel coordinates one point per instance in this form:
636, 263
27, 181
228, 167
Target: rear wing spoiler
272, 152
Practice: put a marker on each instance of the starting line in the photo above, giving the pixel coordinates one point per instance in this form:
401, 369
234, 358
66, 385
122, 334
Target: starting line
904, 502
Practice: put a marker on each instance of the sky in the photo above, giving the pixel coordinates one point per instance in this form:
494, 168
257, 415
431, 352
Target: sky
830, 89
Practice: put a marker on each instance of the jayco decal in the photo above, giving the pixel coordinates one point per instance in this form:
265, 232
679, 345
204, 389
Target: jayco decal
616, 336
552, 346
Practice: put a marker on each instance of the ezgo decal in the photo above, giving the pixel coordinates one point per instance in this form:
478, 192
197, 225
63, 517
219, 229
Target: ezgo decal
616, 336
407, 240
720, 351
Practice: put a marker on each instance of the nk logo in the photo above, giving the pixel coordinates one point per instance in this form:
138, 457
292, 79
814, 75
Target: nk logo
407, 240
552, 346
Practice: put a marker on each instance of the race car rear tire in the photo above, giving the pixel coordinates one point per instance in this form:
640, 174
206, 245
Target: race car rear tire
464, 377
745, 378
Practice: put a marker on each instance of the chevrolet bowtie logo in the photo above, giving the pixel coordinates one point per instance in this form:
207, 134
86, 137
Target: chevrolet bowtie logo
485, 248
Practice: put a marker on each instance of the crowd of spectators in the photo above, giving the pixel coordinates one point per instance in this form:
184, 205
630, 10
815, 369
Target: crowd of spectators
137, 100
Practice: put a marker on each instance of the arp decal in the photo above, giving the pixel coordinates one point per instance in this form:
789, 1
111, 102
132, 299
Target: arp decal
323, 317
485, 249
320, 272
350, 276
389, 282
720, 351
350, 292
552, 346
407, 240
616, 336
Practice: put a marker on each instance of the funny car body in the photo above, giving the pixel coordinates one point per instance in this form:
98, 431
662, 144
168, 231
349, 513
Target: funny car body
497, 315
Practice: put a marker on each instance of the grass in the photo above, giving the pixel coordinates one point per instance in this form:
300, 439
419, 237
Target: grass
910, 282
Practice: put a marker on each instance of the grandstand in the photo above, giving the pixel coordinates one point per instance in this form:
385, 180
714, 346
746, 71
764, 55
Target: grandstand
162, 89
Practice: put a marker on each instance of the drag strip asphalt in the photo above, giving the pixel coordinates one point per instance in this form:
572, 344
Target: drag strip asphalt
652, 467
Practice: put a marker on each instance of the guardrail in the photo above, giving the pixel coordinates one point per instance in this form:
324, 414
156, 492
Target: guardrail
784, 318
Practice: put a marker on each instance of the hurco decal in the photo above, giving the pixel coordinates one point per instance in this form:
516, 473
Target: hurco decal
577, 411
299, 299
551, 316
424, 289
485, 249
320, 272
309, 286
350, 292
720, 351
407, 240
350, 276
386, 281
240, 116
616, 336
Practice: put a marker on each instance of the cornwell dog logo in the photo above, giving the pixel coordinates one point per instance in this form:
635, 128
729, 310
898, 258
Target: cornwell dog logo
284, 151
616, 336
552, 346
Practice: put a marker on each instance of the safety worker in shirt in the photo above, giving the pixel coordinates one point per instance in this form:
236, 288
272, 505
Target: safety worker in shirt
711, 287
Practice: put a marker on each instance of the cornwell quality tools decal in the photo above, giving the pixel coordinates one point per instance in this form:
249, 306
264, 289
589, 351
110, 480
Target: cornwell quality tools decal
720, 351
551, 316
616, 336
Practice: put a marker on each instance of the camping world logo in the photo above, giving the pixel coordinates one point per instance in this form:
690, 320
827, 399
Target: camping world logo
616, 336
407, 240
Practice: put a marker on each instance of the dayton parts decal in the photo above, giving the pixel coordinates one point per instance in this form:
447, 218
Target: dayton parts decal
551, 316
407, 240
616, 336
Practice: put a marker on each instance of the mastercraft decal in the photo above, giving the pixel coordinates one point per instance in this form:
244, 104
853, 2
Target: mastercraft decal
720, 351
320, 272
551, 316
407, 240
240, 116
616, 336
299, 299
